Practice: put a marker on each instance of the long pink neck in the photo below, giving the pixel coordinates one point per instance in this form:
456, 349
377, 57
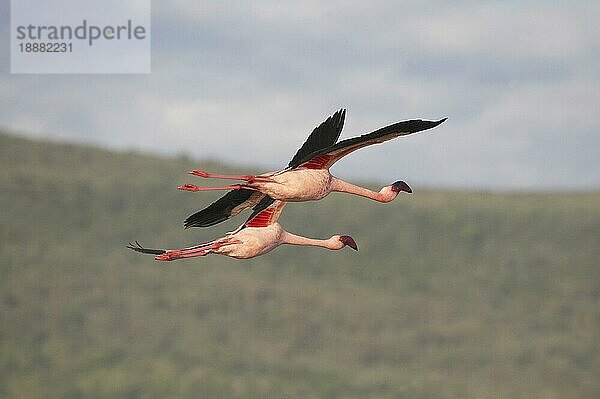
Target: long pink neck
293, 239
345, 187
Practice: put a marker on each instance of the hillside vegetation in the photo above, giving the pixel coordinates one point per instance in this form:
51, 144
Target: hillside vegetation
452, 294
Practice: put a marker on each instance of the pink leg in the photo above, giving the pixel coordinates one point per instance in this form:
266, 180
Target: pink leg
193, 187
201, 173
175, 254
193, 252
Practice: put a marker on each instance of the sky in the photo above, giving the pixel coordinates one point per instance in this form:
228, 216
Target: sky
247, 81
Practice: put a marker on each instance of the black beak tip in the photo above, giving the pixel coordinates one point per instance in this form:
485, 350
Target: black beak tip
401, 186
349, 241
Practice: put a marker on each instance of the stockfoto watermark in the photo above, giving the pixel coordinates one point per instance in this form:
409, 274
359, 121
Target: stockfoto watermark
80, 36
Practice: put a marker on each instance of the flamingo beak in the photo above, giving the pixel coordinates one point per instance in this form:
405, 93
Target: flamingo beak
349, 241
401, 186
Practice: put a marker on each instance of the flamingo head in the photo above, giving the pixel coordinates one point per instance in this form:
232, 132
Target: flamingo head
348, 241
401, 186
389, 193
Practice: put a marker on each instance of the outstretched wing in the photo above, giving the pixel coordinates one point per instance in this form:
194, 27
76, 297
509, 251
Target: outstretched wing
324, 158
235, 201
265, 213
225, 207
324, 135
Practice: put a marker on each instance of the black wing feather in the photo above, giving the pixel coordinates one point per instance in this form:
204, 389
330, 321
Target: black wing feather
395, 130
138, 248
218, 211
324, 135
404, 128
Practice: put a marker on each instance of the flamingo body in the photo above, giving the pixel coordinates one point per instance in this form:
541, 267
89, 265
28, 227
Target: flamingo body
295, 185
252, 241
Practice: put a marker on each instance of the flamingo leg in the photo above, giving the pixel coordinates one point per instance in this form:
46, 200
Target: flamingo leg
193, 187
174, 254
248, 178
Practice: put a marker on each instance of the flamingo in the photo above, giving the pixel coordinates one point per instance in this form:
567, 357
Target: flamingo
258, 235
235, 201
307, 177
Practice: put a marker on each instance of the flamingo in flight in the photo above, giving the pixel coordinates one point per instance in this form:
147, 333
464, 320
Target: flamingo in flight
307, 176
258, 235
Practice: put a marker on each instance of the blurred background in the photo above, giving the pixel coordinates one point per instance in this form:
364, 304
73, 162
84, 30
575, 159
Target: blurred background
484, 282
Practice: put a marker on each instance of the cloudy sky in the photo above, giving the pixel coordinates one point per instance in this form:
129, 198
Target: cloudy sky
247, 81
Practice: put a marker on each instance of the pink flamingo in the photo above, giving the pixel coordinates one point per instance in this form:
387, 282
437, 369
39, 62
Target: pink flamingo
260, 234
306, 178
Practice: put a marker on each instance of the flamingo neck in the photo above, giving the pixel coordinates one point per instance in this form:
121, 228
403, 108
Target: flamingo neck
293, 239
345, 187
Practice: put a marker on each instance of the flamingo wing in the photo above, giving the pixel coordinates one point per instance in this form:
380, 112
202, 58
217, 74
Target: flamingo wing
225, 207
235, 201
324, 158
324, 136
265, 213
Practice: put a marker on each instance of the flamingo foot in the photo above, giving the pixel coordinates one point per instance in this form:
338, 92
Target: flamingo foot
168, 256
189, 187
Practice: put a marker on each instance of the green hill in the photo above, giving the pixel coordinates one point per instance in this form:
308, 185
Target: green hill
452, 295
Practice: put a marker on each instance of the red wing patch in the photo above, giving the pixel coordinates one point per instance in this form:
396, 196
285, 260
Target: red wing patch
268, 216
263, 219
318, 162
